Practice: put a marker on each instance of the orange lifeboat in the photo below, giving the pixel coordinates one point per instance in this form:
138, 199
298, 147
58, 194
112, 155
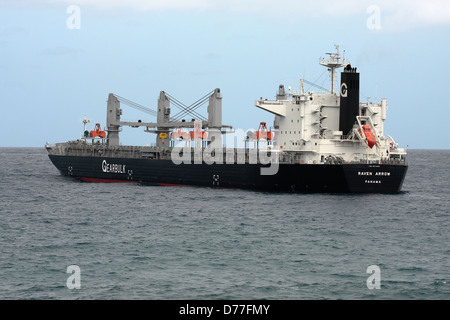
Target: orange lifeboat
371, 140
97, 132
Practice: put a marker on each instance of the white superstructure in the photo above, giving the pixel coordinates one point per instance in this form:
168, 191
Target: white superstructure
308, 126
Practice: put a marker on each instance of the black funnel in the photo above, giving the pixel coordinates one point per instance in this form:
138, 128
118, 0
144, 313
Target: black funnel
349, 100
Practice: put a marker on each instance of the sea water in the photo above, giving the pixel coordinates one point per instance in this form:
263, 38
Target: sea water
129, 241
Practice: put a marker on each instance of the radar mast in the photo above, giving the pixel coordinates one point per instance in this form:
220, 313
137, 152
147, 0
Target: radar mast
332, 63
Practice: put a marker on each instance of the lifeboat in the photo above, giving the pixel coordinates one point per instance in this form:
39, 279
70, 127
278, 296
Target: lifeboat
371, 140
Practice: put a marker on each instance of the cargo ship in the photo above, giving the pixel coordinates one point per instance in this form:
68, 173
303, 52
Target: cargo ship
328, 141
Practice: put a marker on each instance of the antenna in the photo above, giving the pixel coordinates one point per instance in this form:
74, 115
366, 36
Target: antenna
302, 89
334, 61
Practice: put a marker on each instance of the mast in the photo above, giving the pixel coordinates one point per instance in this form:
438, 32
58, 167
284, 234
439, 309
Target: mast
334, 61
85, 122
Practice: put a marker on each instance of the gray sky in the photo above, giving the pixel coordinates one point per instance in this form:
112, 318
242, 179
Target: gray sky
59, 63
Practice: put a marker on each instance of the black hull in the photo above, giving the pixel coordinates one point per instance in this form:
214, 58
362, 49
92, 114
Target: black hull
333, 178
